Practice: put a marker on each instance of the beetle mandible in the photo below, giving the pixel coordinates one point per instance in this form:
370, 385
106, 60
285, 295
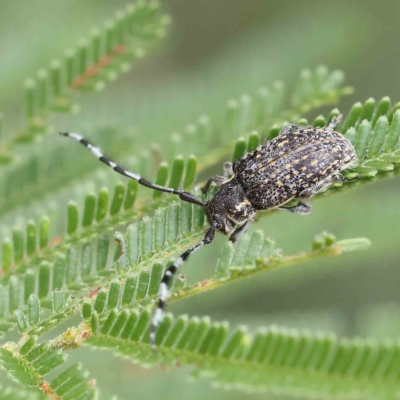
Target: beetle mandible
297, 164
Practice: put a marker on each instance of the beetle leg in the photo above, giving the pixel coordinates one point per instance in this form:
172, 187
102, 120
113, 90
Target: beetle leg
287, 129
205, 188
338, 178
350, 179
301, 208
335, 121
239, 232
308, 193
318, 188
228, 169
218, 180
311, 191
344, 179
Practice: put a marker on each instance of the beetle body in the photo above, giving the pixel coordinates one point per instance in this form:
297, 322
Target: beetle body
300, 162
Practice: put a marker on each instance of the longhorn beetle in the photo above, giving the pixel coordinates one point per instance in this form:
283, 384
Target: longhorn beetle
297, 164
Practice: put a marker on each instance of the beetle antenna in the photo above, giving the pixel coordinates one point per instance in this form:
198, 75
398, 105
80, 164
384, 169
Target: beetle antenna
168, 275
185, 196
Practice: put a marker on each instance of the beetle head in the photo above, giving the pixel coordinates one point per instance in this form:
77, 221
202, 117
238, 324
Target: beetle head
229, 207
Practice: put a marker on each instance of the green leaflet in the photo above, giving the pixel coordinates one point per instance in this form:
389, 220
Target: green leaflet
352, 117
88, 212
382, 109
33, 310
21, 321
319, 121
368, 110
240, 149
161, 178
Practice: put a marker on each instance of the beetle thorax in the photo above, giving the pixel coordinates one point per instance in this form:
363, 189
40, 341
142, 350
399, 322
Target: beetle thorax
229, 207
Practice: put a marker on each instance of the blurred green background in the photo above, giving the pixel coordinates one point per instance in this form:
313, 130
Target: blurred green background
218, 49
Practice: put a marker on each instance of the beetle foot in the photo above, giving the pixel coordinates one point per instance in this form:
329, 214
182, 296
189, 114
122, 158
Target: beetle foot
301, 209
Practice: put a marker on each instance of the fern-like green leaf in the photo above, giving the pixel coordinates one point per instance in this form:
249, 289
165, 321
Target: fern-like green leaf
276, 360
75, 271
111, 276
101, 59
28, 363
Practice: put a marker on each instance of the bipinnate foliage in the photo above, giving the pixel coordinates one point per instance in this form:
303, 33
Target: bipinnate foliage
88, 68
105, 259
27, 364
101, 58
272, 359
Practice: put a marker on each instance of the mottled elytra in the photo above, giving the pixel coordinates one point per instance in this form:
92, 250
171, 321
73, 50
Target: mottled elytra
299, 163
